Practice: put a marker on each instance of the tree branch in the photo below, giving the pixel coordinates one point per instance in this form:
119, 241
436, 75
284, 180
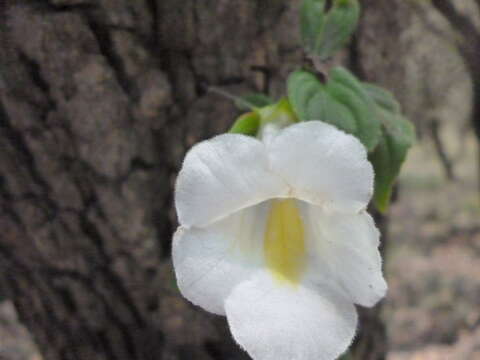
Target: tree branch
469, 43
458, 21
422, 13
445, 161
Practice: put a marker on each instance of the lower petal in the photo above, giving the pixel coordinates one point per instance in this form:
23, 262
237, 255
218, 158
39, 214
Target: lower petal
275, 322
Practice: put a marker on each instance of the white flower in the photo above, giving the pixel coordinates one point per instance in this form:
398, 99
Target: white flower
275, 236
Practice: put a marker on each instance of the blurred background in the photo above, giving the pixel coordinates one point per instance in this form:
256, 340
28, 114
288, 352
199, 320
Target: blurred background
100, 99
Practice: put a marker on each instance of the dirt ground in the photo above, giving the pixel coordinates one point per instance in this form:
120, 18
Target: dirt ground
433, 268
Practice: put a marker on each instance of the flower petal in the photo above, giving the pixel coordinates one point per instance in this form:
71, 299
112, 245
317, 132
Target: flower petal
210, 261
273, 322
323, 165
223, 175
344, 249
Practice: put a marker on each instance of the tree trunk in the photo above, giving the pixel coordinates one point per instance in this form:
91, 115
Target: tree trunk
99, 102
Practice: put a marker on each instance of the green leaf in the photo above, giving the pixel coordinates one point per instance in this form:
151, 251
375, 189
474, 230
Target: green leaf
302, 86
336, 104
311, 22
389, 155
310, 101
382, 97
339, 24
343, 76
247, 124
347, 90
253, 101
324, 107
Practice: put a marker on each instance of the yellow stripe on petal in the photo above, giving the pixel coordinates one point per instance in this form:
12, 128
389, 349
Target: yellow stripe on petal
284, 243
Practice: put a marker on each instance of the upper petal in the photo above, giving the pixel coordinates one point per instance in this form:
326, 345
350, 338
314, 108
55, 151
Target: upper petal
273, 322
222, 175
323, 165
209, 262
344, 251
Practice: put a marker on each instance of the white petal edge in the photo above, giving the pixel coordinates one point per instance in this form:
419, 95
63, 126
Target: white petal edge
222, 175
323, 165
273, 322
344, 251
210, 262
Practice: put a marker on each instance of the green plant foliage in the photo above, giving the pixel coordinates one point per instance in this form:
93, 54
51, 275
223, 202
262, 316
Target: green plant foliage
389, 155
253, 101
344, 77
340, 23
324, 106
339, 103
383, 98
347, 90
325, 33
302, 86
246, 124
311, 23
397, 134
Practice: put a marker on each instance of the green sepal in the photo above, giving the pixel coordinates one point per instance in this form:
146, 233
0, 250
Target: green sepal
339, 24
389, 155
280, 113
311, 23
253, 101
246, 124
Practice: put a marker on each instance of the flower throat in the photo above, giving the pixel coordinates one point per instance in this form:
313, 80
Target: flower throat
284, 242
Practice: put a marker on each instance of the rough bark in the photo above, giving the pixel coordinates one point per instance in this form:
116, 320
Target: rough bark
99, 102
